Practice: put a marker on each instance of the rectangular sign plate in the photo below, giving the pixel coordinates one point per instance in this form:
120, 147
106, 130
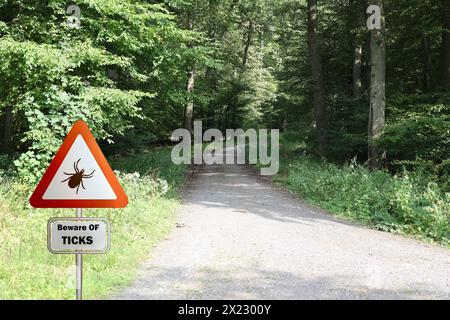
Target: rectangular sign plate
78, 235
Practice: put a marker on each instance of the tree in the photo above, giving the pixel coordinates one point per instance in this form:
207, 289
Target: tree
445, 54
355, 13
377, 90
357, 81
428, 79
248, 42
107, 72
8, 130
189, 110
317, 81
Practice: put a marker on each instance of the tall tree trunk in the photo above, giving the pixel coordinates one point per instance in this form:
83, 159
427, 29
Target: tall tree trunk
445, 53
357, 82
189, 109
428, 82
316, 72
7, 131
366, 64
248, 42
377, 91
211, 80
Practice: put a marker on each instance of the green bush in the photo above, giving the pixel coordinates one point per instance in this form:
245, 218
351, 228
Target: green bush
417, 129
409, 203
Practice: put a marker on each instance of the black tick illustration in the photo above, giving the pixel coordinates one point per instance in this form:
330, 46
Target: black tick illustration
76, 179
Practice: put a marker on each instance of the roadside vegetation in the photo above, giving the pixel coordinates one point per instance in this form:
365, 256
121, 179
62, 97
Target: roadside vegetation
407, 202
29, 271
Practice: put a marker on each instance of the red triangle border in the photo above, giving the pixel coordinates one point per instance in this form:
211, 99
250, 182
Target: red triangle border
79, 128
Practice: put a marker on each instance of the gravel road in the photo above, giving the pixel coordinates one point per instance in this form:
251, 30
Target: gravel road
239, 237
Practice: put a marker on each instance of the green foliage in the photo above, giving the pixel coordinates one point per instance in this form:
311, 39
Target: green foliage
407, 203
418, 127
107, 72
153, 163
29, 271
347, 130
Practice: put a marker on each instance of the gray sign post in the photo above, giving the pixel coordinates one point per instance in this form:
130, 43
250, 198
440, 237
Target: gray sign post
79, 236
79, 264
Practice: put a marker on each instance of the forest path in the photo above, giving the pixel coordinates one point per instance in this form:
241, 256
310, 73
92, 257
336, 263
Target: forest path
240, 237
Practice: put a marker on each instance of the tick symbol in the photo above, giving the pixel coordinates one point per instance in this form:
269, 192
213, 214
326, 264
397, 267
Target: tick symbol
76, 179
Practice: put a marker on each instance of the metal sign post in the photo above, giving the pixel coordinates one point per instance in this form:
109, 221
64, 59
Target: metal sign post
79, 264
78, 236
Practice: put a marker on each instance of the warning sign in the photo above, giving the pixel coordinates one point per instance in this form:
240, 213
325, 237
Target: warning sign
79, 176
78, 235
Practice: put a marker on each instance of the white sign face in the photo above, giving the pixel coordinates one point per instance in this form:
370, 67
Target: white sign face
79, 177
78, 235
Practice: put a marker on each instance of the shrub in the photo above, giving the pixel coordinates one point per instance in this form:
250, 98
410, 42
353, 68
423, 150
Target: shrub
410, 203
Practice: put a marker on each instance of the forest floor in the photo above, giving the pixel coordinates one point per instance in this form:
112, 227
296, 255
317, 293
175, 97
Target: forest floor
241, 237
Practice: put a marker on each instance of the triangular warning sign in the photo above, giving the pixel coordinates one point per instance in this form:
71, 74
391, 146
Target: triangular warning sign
79, 176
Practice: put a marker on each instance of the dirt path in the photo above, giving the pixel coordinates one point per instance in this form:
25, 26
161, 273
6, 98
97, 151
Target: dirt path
242, 238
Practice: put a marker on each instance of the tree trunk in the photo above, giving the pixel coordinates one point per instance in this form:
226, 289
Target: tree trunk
189, 109
366, 64
7, 132
428, 82
445, 53
377, 92
248, 42
316, 72
357, 82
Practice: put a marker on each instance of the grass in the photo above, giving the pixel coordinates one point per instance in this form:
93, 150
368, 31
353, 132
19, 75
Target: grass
29, 271
408, 203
